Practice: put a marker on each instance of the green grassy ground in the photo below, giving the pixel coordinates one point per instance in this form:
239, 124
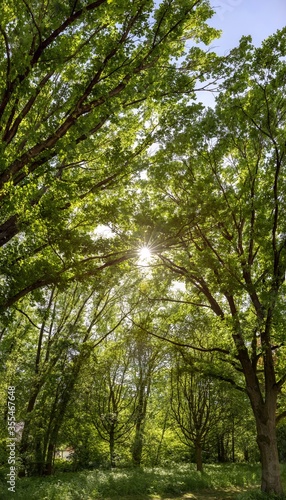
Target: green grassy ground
181, 482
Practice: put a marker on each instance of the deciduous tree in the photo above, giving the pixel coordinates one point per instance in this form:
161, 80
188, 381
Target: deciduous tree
219, 181
79, 80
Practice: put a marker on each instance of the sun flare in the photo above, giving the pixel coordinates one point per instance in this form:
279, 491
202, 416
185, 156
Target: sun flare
145, 255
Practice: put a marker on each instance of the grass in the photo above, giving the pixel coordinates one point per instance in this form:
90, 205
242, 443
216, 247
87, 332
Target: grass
180, 482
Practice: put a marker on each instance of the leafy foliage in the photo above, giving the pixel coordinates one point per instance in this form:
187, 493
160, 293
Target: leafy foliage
86, 88
79, 82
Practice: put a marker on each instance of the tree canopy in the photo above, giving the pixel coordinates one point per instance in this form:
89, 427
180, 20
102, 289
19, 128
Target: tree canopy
104, 150
80, 82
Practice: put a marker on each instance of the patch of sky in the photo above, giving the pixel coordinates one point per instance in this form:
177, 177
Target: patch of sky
237, 18
102, 231
178, 286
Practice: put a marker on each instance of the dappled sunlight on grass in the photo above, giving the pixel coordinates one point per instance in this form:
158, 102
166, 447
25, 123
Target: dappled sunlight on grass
177, 482
232, 474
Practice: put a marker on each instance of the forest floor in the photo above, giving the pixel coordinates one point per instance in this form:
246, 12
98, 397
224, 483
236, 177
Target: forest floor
176, 482
218, 494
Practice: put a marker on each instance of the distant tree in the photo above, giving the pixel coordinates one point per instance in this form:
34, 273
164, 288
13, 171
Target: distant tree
62, 336
112, 399
146, 358
197, 407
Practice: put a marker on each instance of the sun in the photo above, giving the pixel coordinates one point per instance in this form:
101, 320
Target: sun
145, 255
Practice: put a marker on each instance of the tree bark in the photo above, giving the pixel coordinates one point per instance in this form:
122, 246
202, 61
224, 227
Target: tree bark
267, 443
157, 459
233, 440
199, 457
264, 406
221, 451
137, 446
112, 448
50, 460
144, 392
264, 410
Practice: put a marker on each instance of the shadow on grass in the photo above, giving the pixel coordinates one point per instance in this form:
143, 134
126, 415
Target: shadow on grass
180, 482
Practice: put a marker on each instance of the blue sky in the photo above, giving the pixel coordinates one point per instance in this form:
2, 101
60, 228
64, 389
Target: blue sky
258, 18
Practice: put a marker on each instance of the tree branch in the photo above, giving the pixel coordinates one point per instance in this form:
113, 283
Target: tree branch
180, 344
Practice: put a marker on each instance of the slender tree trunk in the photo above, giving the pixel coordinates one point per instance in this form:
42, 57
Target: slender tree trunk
144, 393
56, 419
51, 439
49, 460
51, 442
233, 440
161, 439
137, 445
112, 448
199, 457
24, 446
221, 451
39, 456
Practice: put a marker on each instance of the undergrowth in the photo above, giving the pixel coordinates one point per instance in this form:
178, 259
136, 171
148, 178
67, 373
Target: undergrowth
131, 483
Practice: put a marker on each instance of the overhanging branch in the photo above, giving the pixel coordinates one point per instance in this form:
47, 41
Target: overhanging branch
180, 344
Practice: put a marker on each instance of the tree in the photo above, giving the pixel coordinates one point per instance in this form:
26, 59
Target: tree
56, 339
79, 80
197, 407
219, 183
145, 361
112, 399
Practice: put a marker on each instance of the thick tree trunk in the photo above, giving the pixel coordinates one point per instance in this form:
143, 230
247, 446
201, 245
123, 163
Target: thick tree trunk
267, 443
263, 399
265, 418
